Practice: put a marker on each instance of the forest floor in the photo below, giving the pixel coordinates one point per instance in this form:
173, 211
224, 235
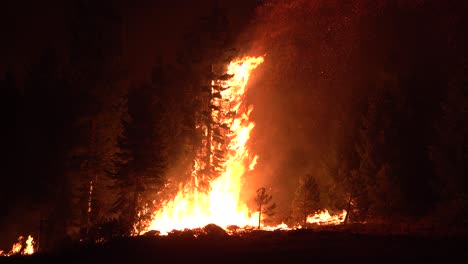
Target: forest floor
317, 245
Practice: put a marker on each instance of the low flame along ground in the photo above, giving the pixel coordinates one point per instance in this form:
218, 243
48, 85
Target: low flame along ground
23, 247
222, 205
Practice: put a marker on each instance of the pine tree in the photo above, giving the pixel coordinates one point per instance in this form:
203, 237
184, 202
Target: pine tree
95, 74
307, 198
449, 154
378, 152
209, 51
264, 205
142, 159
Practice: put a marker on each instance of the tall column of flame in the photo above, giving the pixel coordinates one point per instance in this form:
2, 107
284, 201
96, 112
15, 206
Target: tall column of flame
222, 206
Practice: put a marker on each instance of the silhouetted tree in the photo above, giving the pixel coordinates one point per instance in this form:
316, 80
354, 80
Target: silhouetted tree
264, 205
47, 133
307, 198
11, 113
96, 74
370, 186
449, 154
143, 155
208, 46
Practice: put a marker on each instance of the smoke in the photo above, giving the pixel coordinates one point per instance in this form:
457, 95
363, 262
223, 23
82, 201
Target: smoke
322, 60
302, 92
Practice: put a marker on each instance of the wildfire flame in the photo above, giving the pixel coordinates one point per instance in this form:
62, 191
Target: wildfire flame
281, 226
21, 247
324, 218
221, 205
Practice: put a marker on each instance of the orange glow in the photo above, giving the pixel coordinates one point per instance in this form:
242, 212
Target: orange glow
29, 250
324, 218
281, 226
21, 247
222, 204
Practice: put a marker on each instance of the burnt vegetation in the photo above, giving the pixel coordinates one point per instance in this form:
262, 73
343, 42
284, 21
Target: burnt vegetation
91, 150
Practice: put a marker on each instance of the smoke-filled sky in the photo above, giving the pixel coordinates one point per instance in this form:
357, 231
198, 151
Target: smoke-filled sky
322, 57
303, 90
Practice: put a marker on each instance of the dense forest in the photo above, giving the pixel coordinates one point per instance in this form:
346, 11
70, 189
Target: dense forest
360, 105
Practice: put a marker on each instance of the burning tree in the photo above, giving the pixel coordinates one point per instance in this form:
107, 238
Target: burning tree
213, 193
264, 205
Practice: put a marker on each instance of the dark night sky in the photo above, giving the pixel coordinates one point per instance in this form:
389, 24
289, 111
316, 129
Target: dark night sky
150, 29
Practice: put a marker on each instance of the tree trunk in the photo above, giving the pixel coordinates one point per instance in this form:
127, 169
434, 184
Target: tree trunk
259, 216
209, 129
348, 210
133, 210
89, 206
91, 163
304, 210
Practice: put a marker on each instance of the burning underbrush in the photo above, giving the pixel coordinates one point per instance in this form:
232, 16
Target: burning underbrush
24, 246
214, 231
319, 219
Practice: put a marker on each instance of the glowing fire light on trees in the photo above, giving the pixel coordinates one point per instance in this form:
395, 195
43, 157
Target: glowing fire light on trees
21, 247
221, 205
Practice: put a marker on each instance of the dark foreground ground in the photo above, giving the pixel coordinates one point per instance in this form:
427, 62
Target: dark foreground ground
322, 245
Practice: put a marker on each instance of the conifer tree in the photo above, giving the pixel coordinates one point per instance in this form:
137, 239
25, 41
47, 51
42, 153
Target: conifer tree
264, 205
